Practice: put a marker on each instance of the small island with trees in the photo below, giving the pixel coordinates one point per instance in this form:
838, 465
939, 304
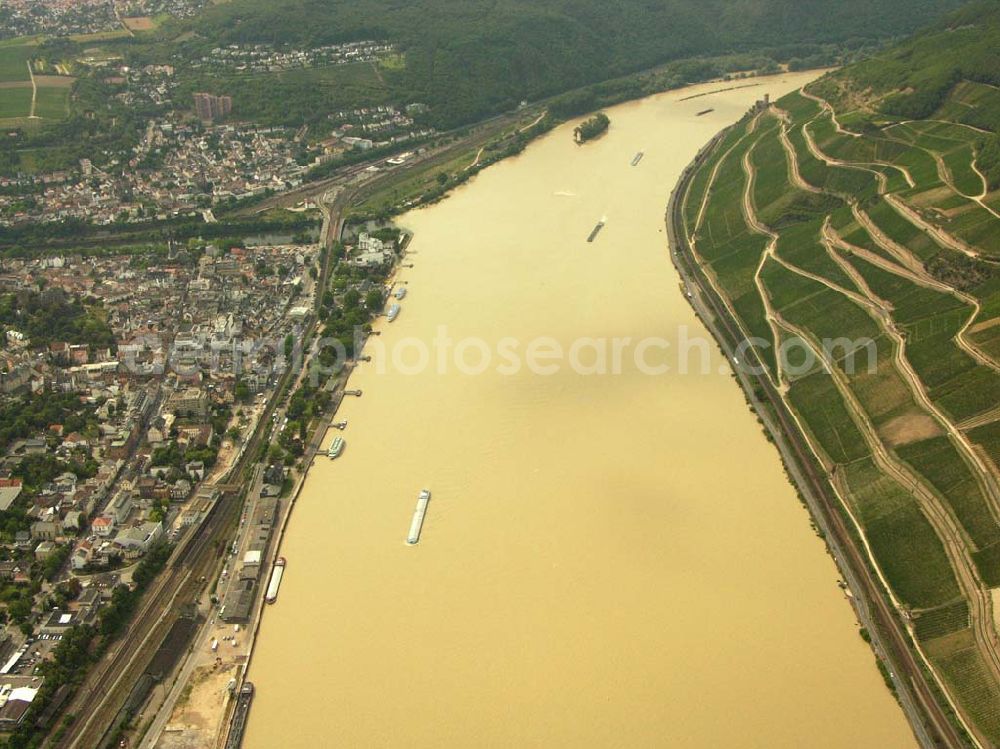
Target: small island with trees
592, 128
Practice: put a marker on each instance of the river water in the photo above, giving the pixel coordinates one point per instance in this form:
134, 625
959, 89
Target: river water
609, 559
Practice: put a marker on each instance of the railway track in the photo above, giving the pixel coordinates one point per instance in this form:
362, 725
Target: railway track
100, 699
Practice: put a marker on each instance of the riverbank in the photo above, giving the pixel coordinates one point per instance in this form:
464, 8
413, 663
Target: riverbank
921, 697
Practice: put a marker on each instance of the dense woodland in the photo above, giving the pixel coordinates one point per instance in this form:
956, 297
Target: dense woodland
591, 128
472, 58
913, 79
467, 60
43, 319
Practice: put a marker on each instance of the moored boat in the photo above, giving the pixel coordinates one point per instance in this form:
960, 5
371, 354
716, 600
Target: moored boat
272, 587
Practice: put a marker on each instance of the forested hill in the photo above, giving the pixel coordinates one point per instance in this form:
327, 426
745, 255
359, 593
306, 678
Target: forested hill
915, 79
470, 58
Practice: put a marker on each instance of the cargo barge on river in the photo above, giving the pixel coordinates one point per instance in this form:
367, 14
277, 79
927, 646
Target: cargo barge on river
238, 725
272, 587
418, 517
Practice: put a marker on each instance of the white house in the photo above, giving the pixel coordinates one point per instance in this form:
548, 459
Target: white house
103, 525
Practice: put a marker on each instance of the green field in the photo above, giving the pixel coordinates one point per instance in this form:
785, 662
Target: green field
699, 183
909, 552
959, 163
838, 180
974, 225
949, 618
819, 291
944, 469
731, 249
801, 246
970, 678
988, 562
52, 102
14, 62
988, 436
100, 36
901, 231
972, 103
817, 400
15, 102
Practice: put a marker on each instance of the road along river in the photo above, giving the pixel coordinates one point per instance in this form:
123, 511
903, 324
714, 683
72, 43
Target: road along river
612, 555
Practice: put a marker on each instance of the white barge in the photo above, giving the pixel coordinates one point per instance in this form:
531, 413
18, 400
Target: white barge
418, 517
272, 587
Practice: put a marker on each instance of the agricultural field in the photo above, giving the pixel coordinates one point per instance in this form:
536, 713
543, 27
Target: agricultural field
14, 62
100, 36
911, 556
15, 103
988, 435
944, 469
937, 160
732, 250
901, 231
942, 621
971, 103
872, 240
829, 421
968, 677
52, 102
16, 89
700, 183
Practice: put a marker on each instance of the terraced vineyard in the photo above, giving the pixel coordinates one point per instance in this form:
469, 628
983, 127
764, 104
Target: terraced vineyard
867, 246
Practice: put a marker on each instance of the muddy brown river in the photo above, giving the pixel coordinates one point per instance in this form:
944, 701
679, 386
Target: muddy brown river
612, 555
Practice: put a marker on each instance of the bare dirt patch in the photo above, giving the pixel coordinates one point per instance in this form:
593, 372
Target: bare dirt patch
958, 211
195, 721
995, 600
932, 197
942, 647
910, 428
139, 23
979, 327
54, 81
